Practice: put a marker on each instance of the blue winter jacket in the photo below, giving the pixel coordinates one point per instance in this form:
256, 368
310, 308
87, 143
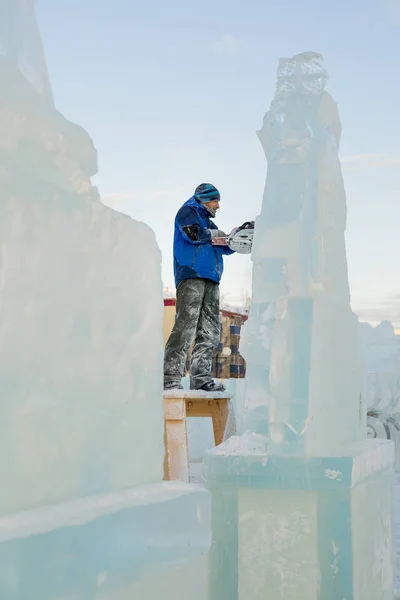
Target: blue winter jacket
194, 255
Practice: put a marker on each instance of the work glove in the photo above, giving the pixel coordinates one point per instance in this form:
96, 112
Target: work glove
216, 233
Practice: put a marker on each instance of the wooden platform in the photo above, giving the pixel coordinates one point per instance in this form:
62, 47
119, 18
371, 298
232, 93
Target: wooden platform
180, 404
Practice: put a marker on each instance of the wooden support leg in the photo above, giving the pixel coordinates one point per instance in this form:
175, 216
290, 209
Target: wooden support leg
166, 461
176, 464
220, 413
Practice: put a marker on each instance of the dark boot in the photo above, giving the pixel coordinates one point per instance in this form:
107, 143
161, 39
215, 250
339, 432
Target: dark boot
172, 385
212, 386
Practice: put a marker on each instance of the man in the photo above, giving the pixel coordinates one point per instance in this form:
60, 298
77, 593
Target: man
198, 267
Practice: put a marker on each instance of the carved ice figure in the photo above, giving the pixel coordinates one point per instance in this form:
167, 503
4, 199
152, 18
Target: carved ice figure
300, 270
302, 501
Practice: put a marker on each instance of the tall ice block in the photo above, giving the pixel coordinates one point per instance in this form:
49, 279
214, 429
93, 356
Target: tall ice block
297, 527
302, 371
80, 314
302, 501
84, 514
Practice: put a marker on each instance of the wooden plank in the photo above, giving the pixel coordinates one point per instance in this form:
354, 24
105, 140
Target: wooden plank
174, 409
166, 452
176, 467
196, 395
220, 415
200, 408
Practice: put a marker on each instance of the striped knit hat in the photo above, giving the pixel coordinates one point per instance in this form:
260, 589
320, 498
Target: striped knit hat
206, 192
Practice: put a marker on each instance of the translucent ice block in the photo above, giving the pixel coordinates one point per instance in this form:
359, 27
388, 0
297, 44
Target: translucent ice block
380, 350
80, 351
21, 44
148, 542
381, 362
292, 528
302, 501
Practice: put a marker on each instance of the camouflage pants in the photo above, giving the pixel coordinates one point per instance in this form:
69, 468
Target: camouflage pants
198, 319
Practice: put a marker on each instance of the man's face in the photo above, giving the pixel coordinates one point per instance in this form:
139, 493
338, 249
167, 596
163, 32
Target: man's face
213, 204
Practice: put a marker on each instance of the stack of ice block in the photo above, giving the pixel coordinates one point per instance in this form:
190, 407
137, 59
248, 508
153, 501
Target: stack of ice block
302, 500
83, 509
80, 351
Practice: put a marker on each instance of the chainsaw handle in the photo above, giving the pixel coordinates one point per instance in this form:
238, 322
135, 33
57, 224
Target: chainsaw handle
220, 241
247, 225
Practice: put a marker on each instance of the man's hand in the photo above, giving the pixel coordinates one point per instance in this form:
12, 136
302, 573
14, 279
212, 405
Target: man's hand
220, 241
218, 237
217, 233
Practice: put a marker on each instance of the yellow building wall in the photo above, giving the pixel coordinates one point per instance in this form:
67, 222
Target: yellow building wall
169, 320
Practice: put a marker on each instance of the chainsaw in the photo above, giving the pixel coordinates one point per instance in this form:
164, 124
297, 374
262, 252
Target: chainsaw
240, 239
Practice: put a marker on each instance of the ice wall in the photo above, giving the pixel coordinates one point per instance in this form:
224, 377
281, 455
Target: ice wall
80, 317
84, 512
80, 351
149, 542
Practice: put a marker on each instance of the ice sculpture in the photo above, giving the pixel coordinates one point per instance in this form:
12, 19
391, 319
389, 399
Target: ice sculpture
302, 500
380, 349
80, 318
21, 45
83, 509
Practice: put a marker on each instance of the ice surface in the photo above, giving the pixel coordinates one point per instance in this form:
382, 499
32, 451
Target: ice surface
282, 553
80, 306
20, 43
84, 513
297, 527
381, 360
302, 501
128, 545
397, 528
80, 351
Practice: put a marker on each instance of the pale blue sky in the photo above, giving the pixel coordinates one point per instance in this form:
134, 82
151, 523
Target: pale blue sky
172, 93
